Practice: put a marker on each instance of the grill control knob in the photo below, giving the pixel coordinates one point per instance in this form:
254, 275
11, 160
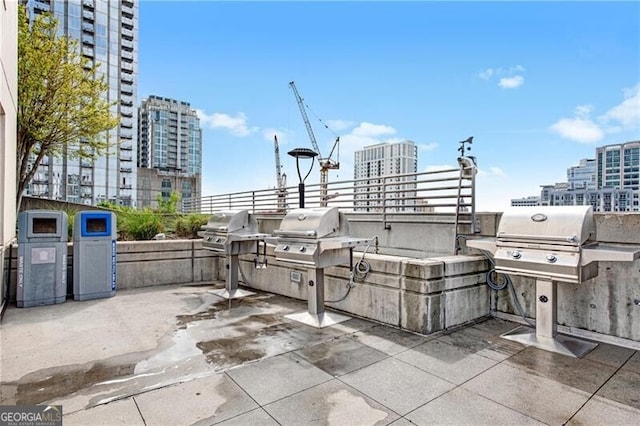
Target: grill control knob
302, 249
285, 248
208, 238
516, 255
552, 258
217, 240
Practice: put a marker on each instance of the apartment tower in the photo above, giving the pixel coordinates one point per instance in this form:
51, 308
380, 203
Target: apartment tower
169, 150
107, 32
378, 171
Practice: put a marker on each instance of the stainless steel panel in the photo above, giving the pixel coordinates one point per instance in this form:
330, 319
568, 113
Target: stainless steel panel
313, 223
562, 225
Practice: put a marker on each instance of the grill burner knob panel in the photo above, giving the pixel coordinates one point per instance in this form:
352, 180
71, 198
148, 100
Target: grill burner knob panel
552, 258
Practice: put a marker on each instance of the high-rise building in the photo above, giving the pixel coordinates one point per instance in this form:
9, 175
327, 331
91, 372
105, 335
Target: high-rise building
107, 33
609, 183
8, 113
582, 176
375, 170
169, 150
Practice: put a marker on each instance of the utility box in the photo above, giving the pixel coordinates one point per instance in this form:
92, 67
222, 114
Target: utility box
42, 258
94, 255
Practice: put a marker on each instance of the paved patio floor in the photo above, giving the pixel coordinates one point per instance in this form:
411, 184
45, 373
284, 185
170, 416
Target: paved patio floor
180, 355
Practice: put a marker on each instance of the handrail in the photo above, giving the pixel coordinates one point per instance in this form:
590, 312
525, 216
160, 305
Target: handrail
440, 191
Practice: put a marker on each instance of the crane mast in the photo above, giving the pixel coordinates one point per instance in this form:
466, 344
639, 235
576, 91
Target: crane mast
325, 163
281, 178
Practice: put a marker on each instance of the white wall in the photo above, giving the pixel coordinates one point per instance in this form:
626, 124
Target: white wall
8, 108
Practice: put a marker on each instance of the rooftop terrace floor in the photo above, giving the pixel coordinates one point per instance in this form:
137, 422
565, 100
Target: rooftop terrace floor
180, 355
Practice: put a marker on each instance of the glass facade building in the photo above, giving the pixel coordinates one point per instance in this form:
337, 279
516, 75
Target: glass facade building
107, 33
169, 150
609, 183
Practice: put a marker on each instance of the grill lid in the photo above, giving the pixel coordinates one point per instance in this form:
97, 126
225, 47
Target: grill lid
231, 221
558, 225
313, 223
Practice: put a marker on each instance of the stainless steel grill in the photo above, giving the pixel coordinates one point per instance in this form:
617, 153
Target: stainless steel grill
233, 232
551, 244
316, 238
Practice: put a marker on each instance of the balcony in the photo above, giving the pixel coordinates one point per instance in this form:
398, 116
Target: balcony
126, 67
126, 43
87, 26
126, 33
126, 78
125, 186
88, 4
126, 56
127, 22
87, 51
88, 14
126, 158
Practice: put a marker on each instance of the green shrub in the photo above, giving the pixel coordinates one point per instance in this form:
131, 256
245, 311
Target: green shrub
189, 225
139, 224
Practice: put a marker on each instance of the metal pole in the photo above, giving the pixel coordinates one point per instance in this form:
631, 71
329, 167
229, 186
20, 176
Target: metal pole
301, 195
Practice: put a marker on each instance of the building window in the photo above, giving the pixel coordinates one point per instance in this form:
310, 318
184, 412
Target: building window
166, 188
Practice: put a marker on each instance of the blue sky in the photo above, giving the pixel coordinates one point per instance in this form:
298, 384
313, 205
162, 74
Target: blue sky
538, 84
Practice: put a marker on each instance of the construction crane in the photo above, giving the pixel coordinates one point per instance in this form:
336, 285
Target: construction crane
326, 163
281, 178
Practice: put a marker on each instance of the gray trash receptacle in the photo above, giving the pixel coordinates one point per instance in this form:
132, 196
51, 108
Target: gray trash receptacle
94, 255
42, 258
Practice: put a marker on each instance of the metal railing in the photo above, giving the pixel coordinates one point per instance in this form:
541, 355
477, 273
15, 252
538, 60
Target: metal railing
442, 191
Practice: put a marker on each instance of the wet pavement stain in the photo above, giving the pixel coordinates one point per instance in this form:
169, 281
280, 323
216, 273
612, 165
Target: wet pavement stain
62, 383
227, 352
209, 314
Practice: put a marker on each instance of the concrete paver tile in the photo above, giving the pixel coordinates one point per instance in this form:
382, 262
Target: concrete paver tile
581, 374
633, 364
402, 422
449, 362
484, 343
257, 417
495, 326
397, 385
206, 400
275, 378
390, 340
341, 356
463, 407
624, 387
123, 412
331, 403
611, 355
522, 390
601, 411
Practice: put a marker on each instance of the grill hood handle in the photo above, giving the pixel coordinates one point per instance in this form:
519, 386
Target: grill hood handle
568, 239
294, 233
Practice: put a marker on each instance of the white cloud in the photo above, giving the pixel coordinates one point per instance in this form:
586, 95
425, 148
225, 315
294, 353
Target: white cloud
427, 146
440, 167
371, 130
578, 129
509, 78
339, 125
492, 171
284, 136
237, 125
486, 74
511, 82
627, 113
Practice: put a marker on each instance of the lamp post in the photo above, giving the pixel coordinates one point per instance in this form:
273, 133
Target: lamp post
299, 153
